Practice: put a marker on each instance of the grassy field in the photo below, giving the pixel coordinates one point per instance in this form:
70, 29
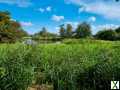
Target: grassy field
71, 65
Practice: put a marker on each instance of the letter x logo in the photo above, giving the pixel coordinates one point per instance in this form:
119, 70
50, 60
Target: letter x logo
114, 84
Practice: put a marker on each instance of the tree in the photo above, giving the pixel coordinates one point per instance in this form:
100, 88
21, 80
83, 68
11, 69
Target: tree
10, 31
106, 35
4, 20
5, 16
43, 32
69, 31
83, 30
117, 30
62, 31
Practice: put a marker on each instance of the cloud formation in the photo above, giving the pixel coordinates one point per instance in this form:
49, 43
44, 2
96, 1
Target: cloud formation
107, 26
19, 3
106, 8
97, 28
57, 18
41, 10
92, 19
49, 8
46, 9
24, 24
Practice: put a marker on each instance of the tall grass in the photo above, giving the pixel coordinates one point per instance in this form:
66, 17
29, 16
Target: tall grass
82, 66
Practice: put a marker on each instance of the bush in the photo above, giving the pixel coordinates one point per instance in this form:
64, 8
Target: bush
117, 30
16, 65
106, 35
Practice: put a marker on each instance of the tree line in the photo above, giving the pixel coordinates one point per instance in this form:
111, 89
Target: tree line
12, 31
83, 30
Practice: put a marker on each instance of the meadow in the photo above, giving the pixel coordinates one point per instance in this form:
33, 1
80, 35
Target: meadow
71, 65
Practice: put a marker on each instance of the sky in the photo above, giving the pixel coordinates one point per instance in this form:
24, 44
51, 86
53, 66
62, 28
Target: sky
35, 14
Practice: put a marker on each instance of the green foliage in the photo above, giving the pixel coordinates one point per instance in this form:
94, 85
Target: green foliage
10, 30
117, 30
44, 34
83, 30
85, 41
87, 65
16, 66
106, 35
80, 66
62, 31
66, 32
69, 31
45, 37
4, 17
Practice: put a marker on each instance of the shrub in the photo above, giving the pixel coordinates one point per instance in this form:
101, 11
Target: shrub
106, 35
17, 66
117, 30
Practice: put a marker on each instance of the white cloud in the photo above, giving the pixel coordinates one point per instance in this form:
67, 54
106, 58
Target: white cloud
26, 23
106, 8
45, 9
57, 28
49, 8
107, 26
97, 28
41, 10
57, 18
19, 3
92, 19
110, 11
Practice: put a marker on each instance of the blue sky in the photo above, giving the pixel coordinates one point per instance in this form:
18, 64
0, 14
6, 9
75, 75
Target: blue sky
35, 14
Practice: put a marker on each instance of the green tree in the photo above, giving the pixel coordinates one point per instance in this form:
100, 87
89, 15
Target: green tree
62, 31
83, 30
117, 30
69, 31
4, 20
10, 31
4, 16
106, 35
43, 32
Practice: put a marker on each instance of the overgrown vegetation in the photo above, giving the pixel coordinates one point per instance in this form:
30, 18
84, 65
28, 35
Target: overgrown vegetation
78, 66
